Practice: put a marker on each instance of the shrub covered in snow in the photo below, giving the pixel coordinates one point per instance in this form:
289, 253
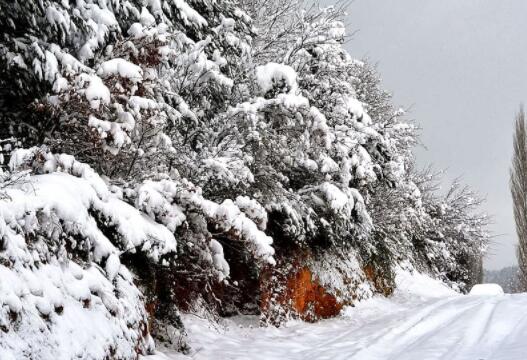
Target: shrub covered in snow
65, 233
59, 269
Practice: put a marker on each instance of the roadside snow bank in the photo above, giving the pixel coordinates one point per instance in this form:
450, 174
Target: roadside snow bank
63, 291
410, 284
486, 290
411, 288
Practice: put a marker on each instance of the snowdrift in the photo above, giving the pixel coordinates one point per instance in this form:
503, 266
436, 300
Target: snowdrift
486, 290
63, 292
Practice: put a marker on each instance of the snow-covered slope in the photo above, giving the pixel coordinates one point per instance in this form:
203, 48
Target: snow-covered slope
63, 291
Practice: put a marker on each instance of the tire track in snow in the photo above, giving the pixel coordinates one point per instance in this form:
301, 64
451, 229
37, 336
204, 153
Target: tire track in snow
509, 340
453, 328
429, 335
352, 334
473, 326
382, 346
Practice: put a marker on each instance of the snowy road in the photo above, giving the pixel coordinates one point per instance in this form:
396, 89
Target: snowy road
452, 327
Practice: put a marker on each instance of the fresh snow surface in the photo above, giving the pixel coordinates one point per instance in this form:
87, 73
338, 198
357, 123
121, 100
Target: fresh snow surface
272, 74
423, 320
487, 289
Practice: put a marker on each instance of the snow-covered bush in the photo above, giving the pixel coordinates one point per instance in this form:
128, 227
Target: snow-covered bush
62, 215
60, 269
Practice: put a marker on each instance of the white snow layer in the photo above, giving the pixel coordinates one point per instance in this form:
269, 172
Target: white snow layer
272, 74
486, 290
437, 324
97, 93
122, 68
58, 269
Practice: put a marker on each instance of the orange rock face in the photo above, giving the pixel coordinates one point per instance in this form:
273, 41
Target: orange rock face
302, 295
309, 299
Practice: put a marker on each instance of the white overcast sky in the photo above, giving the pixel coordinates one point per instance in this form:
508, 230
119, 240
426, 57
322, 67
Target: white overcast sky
462, 67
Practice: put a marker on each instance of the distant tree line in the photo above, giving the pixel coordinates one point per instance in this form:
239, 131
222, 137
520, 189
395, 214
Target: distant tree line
508, 278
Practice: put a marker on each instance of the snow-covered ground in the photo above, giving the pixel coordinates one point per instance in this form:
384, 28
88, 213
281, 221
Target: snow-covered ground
423, 320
